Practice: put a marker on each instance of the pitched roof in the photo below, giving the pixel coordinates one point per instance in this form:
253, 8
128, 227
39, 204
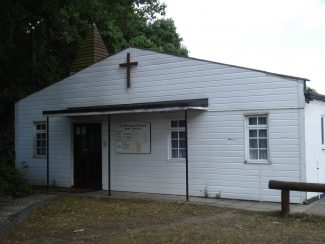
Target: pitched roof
92, 50
231, 65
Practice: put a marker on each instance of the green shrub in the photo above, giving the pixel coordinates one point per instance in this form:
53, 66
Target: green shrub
12, 182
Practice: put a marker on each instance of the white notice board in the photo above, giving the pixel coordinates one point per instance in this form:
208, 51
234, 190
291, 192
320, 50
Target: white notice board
132, 137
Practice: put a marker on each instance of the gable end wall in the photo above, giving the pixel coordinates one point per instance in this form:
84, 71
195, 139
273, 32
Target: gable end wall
216, 137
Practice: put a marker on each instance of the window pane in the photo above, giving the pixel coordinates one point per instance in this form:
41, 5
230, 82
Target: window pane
252, 121
40, 139
262, 121
174, 123
262, 133
253, 154
182, 153
174, 153
181, 123
181, 134
263, 154
252, 133
252, 143
263, 143
174, 135
43, 126
174, 144
182, 143
43, 143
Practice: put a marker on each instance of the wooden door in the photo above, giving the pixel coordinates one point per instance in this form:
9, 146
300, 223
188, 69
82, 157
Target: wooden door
87, 156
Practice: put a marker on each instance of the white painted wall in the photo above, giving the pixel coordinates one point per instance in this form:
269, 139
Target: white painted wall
60, 150
154, 172
315, 153
216, 137
216, 157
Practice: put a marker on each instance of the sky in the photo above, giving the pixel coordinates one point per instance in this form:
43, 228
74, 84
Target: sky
280, 36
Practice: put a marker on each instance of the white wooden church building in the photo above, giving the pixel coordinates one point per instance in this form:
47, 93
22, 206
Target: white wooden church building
143, 121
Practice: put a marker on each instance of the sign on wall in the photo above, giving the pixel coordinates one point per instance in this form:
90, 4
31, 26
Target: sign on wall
132, 137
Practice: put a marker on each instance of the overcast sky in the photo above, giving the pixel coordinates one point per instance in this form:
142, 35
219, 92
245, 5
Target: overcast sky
281, 36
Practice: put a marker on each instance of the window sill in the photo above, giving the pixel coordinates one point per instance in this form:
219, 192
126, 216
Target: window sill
257, 162
322, 147
39, 157
177, 160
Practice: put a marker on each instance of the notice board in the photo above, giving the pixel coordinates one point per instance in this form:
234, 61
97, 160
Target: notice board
133, 137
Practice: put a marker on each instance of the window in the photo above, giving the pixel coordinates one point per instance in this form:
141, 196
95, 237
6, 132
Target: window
322, 130
177, 139
257, 133
40, 139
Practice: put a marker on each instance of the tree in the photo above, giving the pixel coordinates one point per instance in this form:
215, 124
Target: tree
160, 35
39, 40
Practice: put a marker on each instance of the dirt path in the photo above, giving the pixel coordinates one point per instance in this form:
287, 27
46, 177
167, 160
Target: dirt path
12, 211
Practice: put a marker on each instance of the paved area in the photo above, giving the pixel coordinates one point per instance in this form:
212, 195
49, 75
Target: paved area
20, 208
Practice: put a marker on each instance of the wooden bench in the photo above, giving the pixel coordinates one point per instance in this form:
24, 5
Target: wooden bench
286, 187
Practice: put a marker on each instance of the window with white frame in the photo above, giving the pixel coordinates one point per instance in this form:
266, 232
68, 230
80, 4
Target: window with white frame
322, 130
40, 139
257, 138
177, 139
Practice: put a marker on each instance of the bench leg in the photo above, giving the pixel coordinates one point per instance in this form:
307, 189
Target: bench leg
285, 202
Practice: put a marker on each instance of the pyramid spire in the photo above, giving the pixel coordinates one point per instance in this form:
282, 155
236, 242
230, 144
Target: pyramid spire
92, 49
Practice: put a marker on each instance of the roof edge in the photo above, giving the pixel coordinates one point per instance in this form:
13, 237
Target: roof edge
232, 65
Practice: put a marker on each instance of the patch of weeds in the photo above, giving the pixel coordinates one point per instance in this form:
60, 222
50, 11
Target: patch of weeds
12, 182
53, 183
206, 192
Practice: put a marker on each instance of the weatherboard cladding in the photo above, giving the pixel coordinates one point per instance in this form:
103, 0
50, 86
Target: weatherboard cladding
231, 65
216, 137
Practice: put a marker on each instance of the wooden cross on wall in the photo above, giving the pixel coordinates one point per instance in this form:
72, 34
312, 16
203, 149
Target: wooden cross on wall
128, 65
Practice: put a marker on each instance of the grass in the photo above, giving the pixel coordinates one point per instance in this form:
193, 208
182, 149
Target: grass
91, 220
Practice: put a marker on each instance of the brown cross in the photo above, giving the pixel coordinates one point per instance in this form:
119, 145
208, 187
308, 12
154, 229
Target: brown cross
128, 65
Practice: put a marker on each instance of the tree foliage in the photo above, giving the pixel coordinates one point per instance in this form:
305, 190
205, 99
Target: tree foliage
39, 40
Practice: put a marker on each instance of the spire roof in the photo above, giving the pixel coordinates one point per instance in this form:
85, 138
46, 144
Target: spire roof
92, 49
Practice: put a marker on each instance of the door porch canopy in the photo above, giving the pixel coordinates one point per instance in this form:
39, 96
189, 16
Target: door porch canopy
193, 104
176, 105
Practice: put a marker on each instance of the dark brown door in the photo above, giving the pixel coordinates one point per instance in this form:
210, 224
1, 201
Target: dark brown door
87, 156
